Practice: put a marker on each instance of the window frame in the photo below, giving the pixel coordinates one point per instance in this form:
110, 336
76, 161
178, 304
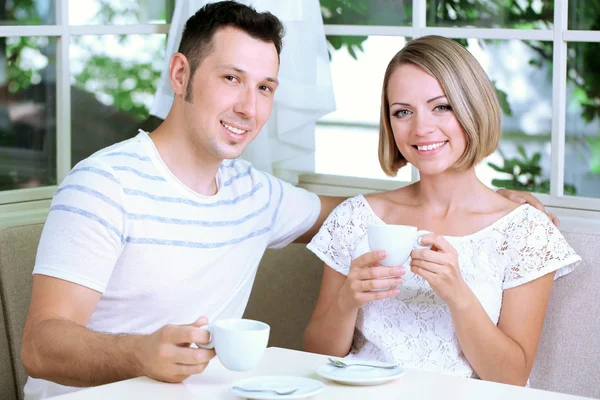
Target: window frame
560, 35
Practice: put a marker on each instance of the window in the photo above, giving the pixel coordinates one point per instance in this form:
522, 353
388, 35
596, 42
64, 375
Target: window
79, 75
76, 76
549, 89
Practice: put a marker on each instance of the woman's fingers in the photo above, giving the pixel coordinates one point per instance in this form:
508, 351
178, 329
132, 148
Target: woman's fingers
380, 294
429, 266
377, 284
379, 272
368, 259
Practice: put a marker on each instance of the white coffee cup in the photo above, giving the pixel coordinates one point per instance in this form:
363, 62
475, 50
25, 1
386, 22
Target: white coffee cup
397, 240
239, 343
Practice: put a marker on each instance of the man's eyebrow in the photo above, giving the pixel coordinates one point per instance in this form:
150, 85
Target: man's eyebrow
408, 105
243, 72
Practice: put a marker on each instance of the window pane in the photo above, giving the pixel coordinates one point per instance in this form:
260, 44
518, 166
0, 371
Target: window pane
584, 15
367, 12
347, 139
582, 151
118, 12
27, 112
28, 12
522, 74
525, 14
113, 79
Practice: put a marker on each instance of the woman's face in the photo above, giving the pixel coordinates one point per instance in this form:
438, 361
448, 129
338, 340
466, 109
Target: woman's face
425, 128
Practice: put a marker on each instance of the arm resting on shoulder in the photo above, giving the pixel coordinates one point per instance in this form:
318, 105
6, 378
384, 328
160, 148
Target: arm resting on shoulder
331, 328
505, 353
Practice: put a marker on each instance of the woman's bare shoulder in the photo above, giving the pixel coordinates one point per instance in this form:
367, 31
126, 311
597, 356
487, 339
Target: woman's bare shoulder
381, 202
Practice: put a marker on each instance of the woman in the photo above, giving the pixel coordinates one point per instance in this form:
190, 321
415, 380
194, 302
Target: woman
472, 305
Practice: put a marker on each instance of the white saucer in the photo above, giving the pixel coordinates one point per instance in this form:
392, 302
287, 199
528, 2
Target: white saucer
360, 376
306, 387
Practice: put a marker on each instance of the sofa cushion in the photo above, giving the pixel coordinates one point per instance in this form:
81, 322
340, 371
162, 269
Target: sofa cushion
8, 383
285, 293
568, 357
18, 247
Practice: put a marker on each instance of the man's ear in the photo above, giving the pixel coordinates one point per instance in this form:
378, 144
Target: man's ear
179, 73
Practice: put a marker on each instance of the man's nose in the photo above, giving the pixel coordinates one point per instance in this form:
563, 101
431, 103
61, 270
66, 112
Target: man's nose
246, 104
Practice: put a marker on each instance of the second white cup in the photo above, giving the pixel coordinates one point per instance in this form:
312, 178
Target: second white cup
239, 343
397, 240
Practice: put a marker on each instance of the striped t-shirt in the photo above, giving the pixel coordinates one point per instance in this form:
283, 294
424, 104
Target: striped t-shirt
122, 224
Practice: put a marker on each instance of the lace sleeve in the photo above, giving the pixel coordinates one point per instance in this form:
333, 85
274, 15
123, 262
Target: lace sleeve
336, 240
534, 247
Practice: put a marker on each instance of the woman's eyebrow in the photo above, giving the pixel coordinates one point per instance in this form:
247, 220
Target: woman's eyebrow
428, 101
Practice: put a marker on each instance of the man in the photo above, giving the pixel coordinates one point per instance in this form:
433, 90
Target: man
149, 237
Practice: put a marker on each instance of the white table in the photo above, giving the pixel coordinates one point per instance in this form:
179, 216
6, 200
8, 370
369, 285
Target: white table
214, 383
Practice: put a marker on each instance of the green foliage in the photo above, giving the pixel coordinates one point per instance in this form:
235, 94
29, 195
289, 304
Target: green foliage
117, 79
362, 12
594, 161
525, 174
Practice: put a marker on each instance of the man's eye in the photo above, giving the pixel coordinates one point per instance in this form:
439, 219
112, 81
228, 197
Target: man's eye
265, 88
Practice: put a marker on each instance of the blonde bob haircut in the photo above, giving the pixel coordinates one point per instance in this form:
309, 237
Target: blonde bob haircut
467, 88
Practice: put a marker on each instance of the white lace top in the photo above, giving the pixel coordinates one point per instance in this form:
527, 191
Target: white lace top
415, 328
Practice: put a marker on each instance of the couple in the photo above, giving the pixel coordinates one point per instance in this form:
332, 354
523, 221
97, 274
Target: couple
149, 239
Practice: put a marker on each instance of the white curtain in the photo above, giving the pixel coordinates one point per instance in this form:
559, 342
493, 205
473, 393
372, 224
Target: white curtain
305, 93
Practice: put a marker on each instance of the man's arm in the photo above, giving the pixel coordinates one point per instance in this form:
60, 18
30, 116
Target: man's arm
58, 347
328, 203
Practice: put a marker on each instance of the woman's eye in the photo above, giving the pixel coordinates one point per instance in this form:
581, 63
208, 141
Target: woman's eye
401, 113
443, 107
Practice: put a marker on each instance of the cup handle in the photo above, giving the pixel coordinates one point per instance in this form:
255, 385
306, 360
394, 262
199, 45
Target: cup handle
419, 235
211, 343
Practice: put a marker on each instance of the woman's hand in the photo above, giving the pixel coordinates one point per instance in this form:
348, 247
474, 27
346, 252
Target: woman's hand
368, 281
439, 267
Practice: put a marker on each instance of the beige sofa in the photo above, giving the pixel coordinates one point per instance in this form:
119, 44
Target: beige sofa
285, 292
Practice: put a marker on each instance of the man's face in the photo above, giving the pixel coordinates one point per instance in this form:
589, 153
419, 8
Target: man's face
232, 94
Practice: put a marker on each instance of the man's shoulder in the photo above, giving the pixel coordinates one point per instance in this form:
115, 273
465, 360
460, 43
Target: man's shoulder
241, 174
110, 162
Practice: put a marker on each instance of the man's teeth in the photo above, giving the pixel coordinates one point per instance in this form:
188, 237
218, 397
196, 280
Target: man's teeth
234, 130
431, 146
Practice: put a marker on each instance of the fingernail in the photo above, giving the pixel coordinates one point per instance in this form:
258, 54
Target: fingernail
399, 271
520, 199
382, 254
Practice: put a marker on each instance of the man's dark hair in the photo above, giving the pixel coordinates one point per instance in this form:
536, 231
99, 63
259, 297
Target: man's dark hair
196, 40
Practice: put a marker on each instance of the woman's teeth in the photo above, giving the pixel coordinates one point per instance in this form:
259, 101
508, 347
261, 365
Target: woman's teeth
430, 147
234, 130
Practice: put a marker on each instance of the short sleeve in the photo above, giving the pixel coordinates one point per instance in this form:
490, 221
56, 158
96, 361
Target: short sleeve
296, 211
535, 247
336, 241
83, 236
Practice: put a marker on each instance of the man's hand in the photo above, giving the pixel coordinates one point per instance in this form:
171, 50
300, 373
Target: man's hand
525, 197
166, 354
